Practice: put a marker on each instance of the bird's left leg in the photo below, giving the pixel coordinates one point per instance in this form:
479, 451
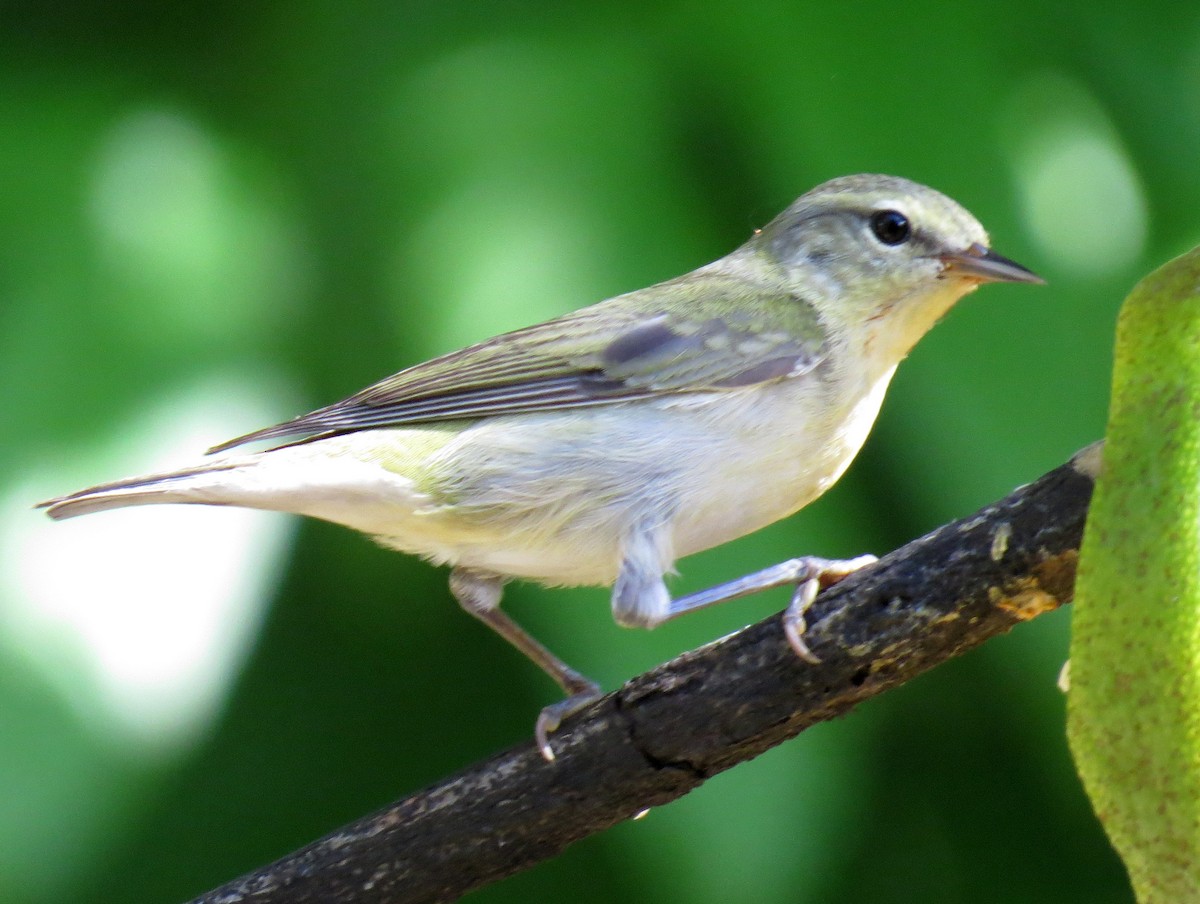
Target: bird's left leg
808, 575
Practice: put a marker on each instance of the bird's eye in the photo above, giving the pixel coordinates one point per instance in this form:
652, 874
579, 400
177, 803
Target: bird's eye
890, 227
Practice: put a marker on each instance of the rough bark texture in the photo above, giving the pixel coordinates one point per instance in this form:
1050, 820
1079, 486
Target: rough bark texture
668, 730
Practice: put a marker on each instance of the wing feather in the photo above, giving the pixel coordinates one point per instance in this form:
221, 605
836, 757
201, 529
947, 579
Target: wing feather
688, 335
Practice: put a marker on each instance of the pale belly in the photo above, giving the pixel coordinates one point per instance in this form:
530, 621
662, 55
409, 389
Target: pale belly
553, 497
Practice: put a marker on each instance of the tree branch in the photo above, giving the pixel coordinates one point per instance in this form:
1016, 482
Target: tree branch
666, 731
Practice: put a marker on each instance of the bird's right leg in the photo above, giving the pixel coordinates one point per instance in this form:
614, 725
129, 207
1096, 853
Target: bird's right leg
479, 594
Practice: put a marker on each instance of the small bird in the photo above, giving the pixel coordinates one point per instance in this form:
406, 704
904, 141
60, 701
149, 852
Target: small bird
598, 447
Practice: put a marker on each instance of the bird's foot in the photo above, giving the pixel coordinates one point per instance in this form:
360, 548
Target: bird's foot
812, 576
549, 719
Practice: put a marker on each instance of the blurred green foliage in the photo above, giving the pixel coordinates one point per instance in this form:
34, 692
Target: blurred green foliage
295, 199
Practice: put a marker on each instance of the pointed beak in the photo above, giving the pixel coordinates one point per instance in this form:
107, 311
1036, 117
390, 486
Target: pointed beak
978, 262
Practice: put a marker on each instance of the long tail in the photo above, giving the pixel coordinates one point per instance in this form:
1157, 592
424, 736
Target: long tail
205, 484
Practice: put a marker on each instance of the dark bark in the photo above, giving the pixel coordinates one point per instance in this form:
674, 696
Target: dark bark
668, 730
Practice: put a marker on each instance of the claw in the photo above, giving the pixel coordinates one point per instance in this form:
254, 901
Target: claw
793, 620
834, 570
550, 718
816, 574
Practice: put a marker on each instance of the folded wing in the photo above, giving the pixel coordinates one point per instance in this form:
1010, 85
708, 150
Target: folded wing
715, 333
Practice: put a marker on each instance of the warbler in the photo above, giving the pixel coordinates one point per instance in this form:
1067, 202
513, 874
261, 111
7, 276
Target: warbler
599, 447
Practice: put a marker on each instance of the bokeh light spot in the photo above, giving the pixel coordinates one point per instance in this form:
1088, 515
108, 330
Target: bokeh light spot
1081, 196
531, 263
193, 242
140, 617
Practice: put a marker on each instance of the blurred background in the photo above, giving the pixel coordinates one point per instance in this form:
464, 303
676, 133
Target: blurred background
216, 216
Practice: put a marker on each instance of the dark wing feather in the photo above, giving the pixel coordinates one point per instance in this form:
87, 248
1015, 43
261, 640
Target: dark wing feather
716, 333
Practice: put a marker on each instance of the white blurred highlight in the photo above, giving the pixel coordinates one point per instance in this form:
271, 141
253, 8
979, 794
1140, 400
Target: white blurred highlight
141, 617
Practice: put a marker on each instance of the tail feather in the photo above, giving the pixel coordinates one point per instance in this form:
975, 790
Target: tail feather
188, 485
343, 481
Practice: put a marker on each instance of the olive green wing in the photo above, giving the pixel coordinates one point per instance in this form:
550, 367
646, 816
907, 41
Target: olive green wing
700, 332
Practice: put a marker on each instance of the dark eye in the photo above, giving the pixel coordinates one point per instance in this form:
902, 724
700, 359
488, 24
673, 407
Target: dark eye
890, 227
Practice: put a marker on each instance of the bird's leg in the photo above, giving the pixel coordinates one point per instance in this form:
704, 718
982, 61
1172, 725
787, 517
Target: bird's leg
808, 574
479, 594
